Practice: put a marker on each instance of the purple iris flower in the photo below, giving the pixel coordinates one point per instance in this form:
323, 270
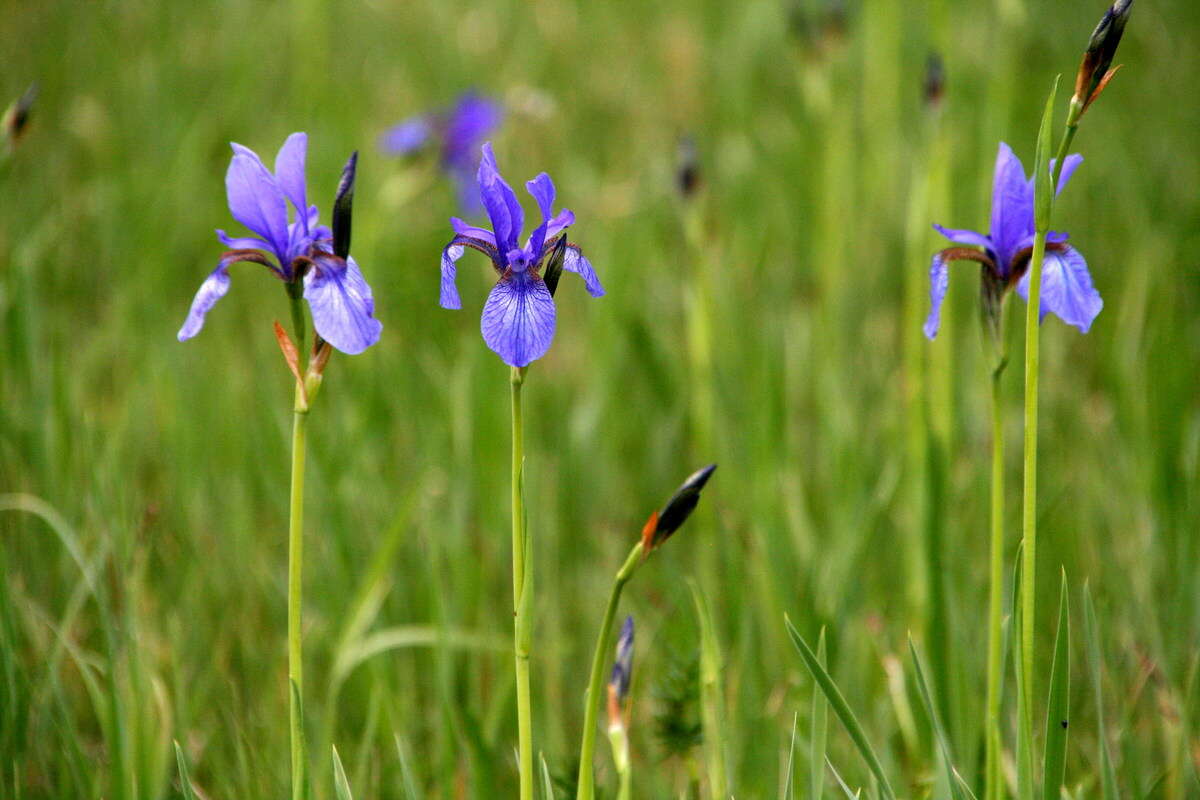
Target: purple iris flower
338, 295
518, 317
622, 671
1066, 289
458, 130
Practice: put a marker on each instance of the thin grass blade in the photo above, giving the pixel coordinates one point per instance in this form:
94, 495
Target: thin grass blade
185, 778
340, 784
959, 789
1091, 633
1058, 706
820, 729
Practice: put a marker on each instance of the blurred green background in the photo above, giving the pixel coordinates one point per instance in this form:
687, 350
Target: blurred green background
769, 323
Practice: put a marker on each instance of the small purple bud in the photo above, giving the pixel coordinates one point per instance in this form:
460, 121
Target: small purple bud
343, 207
622, 671
935, 81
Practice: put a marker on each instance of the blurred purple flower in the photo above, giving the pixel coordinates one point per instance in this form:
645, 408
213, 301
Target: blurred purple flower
338, 295
1066, 290
458, 131
518, 317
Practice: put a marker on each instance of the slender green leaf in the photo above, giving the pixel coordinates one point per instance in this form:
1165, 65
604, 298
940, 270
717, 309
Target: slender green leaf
1024, 713
544, 774
820, 728
786, 792
1057, 707
1043, 193
841, 708
406, 775
185, 778
710, 696
853, 794
1091, 633
958, 787
340, 784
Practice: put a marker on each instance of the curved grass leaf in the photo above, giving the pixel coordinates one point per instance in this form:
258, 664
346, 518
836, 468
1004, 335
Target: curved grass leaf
959, 789
185, 779
841, 708
820, 724
1058, 705
340, 784
1091, 635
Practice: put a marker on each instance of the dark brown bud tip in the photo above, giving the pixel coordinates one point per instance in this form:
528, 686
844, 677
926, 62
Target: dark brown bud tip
343, 207
934, 88
680, 506
554, 264
1095, 70
687, 171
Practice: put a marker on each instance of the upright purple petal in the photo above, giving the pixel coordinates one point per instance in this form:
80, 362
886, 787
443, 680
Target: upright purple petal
1012, 204
1070, 164
939, 283
213, 289
343, 309
289, 172
408, 136
964, 236
255, 199
500, 201
542, 189
518, 319
574, 261
1066, 289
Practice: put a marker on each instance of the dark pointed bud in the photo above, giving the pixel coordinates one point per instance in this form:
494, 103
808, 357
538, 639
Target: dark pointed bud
687, 170
554, 264
16, 116
1095, 69
343, 207
935, 81
665, 522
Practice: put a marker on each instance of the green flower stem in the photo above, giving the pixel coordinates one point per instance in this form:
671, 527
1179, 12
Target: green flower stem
522, 592
993, 786
591, 709
1029, 507
295, 562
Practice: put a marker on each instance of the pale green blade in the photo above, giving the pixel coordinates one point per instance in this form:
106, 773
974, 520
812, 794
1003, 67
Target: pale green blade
841, 708
340, 784
544, 774
786, 792
1091, 633
710, 696
958, 787
185, 779
1057, 707
820, 729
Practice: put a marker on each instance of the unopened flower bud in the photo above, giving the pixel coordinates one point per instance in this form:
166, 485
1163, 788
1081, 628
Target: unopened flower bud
554, 264
663, 523
1095, 70
343, 207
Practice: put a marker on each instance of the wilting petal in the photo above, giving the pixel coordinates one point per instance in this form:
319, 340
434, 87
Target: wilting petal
939, 283
213, 289
1066, 289
342, 306
500, 201
964, 236
574, 261
289, 172
406, 137
255, 199
1012, 204
518, 319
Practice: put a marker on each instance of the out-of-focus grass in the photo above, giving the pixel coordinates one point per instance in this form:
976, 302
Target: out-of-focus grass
165, 463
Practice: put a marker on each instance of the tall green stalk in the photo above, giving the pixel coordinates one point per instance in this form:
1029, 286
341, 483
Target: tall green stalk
993, 786
522, 591
295, 564
591, 710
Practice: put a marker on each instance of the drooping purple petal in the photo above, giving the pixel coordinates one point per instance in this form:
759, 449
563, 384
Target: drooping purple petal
563, 220
500, 201
213, 289
575, 261
289, 172
255, 199
939, 283
408, 136
449, 292
518, 319
1012, 204
343, 309
964, 236
1066, 290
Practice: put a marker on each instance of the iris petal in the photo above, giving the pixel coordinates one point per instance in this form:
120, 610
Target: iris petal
343, 309
213, 289
255, 199
939, 283
1012, 205
500, 201
575, 261
289, 172
1067, 289
518, 319
964, 236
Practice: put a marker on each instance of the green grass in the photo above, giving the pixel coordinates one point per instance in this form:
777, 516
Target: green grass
144, 518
